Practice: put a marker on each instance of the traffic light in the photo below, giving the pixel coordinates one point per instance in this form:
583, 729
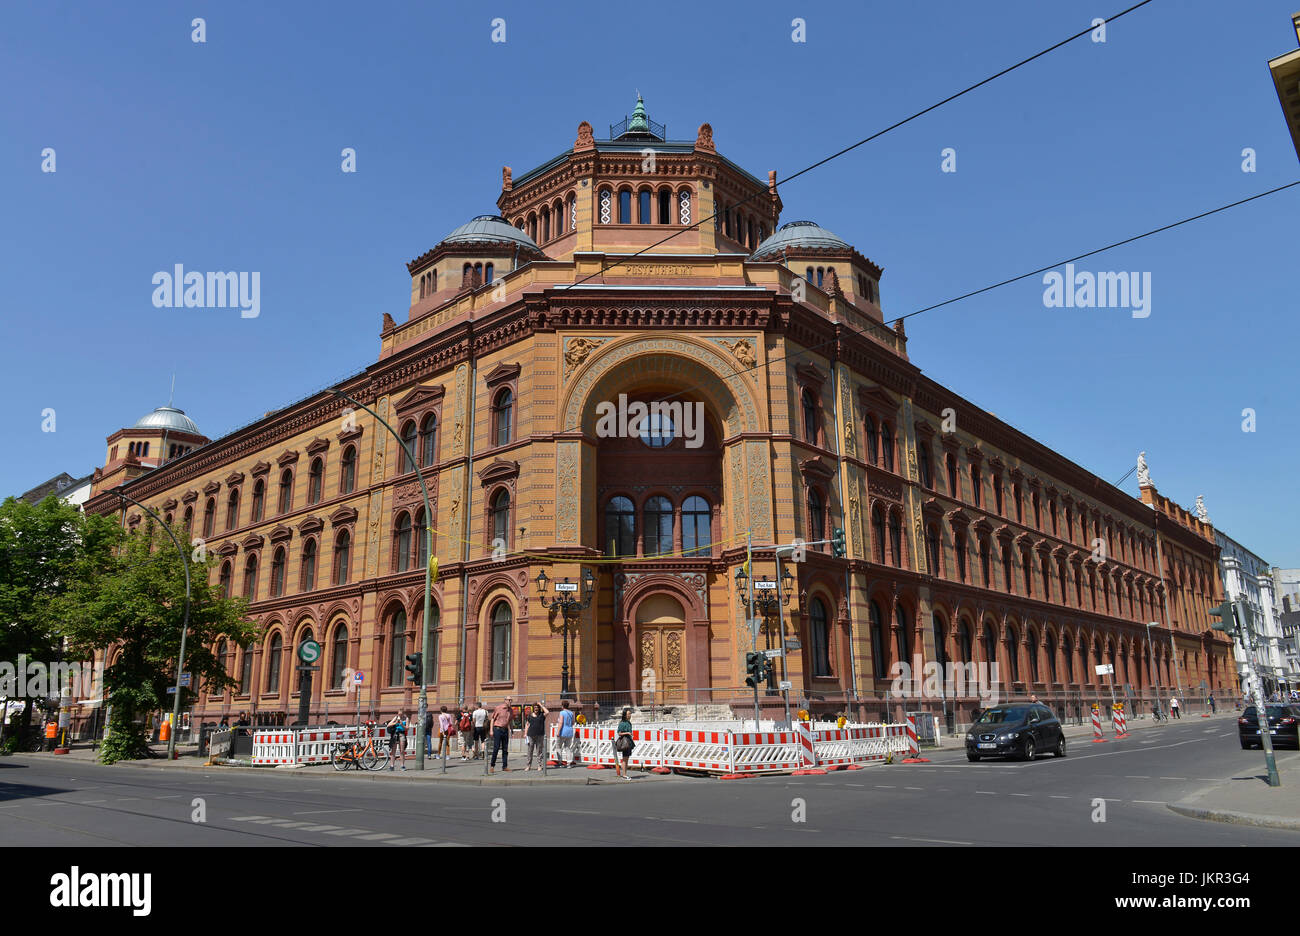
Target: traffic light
837, 543
415, 666
756, 665
1227, 619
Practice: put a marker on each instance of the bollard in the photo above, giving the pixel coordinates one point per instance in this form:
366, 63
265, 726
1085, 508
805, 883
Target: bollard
1119, 723
913, 744
1096, 725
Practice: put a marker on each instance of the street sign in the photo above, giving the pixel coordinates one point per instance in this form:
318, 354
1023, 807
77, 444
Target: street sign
566, 586
764, 585
358, 677
793, 645
171, 690
785, 685
309, 651
772, 654
185, 680
1104, 668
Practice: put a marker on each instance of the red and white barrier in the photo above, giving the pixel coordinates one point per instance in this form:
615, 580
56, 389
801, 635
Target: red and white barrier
273, 747
913, 744
1096, 726
1119, 722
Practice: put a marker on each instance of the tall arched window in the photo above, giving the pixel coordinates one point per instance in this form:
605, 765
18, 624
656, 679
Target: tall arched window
809, 416
277, 573
501, 642
986, 562
904, 637
188, 521
959, 553
348, 474
976, 482
246, 671
878, 532
964, 644
274, 650
309, 565
954, 480
429, 440
489, 273
816, 516
421, 534
665, 207
990, 645
869, 436
232, 510
286, 490
932, 550
923, 465
502, 410
644, 215
209, 518
397, 648
250, 577
896, 539
697, 519
315, 481
501, 518
940, 631
224, 579
820, 638
1050, 651
1013, 653
259, 500
339, 658
625, 207
886, 446
342, 557
658, 526
620, 527
407, 449
402, 543
878, 661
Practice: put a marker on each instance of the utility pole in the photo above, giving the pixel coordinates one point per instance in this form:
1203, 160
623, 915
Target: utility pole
1230, 625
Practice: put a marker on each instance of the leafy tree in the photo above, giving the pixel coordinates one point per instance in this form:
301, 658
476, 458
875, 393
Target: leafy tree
136, 604
44, 548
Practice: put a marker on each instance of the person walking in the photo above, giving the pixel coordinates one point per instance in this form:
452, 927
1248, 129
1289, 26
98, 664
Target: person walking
446, 728
564, 739
466, 726
502, 716
535, 736
1213, 708
1173, 707
397, 726
623, 744
480, 718
429, 718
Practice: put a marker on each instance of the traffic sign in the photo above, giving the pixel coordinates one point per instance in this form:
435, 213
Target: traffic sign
772, 654
566, 586
764, 585
785, 685
1104, 668
358, 676
793, 645
185, 680
309, 651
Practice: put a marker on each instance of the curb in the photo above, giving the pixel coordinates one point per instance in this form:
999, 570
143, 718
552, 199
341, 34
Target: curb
1236, 818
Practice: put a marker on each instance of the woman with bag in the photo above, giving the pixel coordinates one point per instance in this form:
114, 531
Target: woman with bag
397, 738
623, 744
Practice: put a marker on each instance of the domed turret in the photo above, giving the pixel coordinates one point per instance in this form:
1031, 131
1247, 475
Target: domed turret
167, 417
798, 234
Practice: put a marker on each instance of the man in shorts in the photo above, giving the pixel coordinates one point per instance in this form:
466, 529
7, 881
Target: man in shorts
480, 719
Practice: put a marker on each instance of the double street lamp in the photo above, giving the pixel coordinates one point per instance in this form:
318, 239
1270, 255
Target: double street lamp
764, 601
570, 604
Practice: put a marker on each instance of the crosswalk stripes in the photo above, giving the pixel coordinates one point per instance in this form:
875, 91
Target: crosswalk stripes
364, 835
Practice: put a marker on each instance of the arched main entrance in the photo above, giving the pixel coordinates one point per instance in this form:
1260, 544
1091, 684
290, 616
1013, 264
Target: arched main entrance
661, 650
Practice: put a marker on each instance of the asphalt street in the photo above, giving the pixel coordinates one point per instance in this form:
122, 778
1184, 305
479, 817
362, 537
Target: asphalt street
46, 800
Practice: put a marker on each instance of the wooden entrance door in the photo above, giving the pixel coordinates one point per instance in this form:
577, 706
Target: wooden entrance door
662, 665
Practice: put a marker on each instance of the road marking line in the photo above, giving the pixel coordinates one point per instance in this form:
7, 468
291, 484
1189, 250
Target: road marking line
580, 812
680, 820
1173, 778
986, 792
246, 818
909, 838
353, 832
884, 786
1055, 796
308, 812
377, 836
1136, 777
410, 841
1018, 794
1150, 802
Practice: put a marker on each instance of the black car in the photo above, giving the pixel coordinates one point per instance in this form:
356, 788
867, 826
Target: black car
1023, 730
1283, 720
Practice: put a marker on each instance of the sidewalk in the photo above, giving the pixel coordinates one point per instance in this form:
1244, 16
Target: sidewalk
470, 773
1247, 799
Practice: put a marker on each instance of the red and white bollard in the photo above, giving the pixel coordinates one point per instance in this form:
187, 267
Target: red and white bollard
1096, 726
1120, 723
913, 745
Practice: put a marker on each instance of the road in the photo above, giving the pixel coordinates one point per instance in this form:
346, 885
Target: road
57, 801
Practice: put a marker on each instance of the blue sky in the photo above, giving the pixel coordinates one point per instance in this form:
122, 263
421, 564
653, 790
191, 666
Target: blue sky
226, 156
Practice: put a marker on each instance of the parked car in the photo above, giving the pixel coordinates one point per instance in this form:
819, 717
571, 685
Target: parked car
1024, 730
1283, 721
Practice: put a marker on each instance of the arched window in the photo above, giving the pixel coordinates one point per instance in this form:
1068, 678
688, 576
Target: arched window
990, 645
274, 650
209, 518
1008, 570
397, 648
407, 449
808, 274
940, 630
189, 520
643, 214
277, 573
954, 480
665, 207
932, 549
342, 555
1038, 513
488, 274
421, 540
821, 275
224, 579
1020, 507
887, 445
878, 661
816, 516
502, 409
1013, 653
501, 642
429, 440
964, 644
286, 490
625, 207
250, 577
620, 527
976, 482
904, 637
1067, 654
259, 500
896, 539
546, 225
246, 671
501, 518
315, 481
869, 436
820, 638
606, 198
232, 510
959, 553
878, 532
658, 526
348, 474
309, 565
697, 531
339, 658
1050, 652
402, 543
809, 416
923, 465
997, 493
986, 562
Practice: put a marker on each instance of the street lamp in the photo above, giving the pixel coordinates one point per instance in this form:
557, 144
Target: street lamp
567, 600
1151, 658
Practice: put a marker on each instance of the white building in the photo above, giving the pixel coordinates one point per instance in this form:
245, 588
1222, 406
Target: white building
1248, 582
68, 489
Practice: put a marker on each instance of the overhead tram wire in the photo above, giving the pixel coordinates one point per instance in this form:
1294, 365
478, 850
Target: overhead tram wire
862, 142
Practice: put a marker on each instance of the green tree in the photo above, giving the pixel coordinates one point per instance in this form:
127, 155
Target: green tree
44, 549
136, 604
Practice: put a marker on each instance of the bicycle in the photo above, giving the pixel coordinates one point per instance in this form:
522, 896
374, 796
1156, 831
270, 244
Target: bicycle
367, 753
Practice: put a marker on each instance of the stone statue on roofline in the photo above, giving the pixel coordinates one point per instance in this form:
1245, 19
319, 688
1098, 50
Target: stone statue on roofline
1144, 473
1201, 513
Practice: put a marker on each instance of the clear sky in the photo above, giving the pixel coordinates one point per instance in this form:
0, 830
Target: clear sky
225, 155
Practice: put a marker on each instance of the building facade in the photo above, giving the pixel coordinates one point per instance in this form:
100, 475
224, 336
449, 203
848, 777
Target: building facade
1248, 582
595, 288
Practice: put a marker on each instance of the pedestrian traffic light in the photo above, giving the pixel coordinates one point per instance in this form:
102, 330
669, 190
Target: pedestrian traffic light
837, 543
756, 665
415, 666
1227, 620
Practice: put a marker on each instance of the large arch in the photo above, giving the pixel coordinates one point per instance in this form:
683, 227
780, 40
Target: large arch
638, 588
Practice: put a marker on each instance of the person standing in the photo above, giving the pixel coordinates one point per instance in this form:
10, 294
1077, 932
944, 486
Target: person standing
623, 744
480, 718
535, 736
397, 726
466, 726
429, 718
502, 716
1213, 707
1173, 707
446, 728
564, 740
